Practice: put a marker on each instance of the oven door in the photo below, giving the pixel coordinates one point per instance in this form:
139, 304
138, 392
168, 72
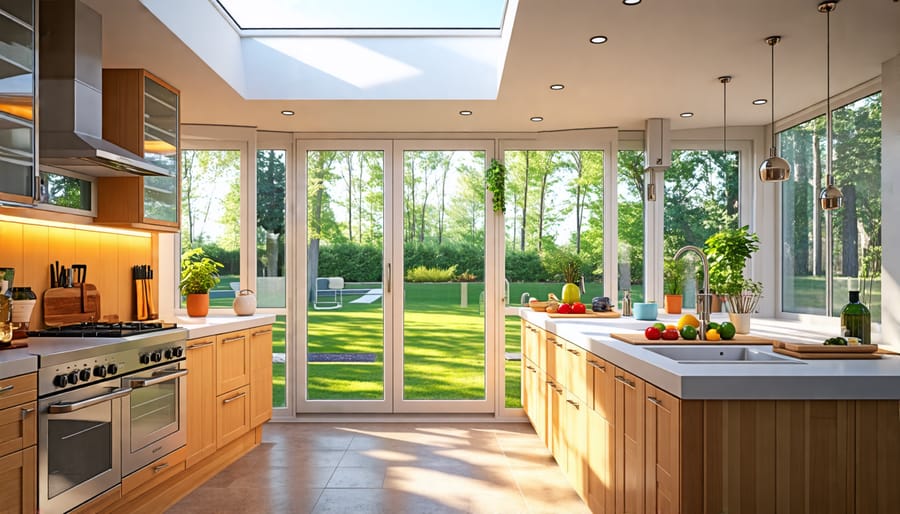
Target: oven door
78, 445
153, 415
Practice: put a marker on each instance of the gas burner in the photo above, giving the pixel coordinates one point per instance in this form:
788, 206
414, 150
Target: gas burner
102, 329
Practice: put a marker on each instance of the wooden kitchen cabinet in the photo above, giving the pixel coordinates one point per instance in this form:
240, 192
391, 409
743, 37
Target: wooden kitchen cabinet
18, 477
18, 437
554, 358
601, 437
260, 375
577, 379
629, 434
232, 415
201, 399
17, 99
141, 114
232, 361
663, 452
574, 430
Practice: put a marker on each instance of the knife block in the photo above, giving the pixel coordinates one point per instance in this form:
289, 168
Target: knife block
64, 305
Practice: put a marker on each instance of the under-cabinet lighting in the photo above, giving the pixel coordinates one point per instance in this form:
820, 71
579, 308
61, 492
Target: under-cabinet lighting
599, 40
760, 101
557, 87
537, 118
287, 112
465, 113
687, 115
73, 226
158, 147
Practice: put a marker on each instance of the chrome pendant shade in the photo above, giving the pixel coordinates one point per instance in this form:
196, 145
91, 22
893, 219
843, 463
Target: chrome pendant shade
831, 197
774, 169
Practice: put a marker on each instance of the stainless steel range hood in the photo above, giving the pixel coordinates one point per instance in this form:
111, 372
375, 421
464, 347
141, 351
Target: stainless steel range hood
71, 84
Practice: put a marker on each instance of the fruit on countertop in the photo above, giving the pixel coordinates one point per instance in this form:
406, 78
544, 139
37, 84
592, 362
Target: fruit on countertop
688, 319
726, 330
670, 334
552, 307
578, 308
652, 333
713, 335
564, 308
660, 326
689, 332
713, 325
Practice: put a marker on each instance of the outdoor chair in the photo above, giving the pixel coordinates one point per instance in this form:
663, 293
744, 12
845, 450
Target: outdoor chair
329, 293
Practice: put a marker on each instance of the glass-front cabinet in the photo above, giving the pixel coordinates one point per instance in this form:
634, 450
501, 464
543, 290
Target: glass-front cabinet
141, 114
17, 88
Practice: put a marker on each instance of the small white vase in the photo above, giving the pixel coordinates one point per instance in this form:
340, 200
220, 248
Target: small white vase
741, 322
244, 302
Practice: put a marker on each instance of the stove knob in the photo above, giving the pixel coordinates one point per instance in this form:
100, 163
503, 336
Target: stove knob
100, 371
145, 359
60, 381
85, 375
168, 353
112, 369
73, 377
178, 351
156, 356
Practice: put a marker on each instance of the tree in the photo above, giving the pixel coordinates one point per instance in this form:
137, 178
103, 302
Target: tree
270, 207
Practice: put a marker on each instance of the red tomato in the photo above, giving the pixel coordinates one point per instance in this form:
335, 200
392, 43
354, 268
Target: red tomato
652, 333
578, 308
565, 308
670, 334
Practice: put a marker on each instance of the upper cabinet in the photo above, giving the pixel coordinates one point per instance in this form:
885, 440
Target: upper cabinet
141, 114
17, 92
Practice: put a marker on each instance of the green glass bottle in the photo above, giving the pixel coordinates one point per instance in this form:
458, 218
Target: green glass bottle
856, 320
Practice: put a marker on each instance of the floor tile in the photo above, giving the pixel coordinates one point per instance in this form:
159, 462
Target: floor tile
363, 478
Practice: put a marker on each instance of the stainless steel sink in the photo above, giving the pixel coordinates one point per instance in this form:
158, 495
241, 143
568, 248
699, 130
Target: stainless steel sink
720, 355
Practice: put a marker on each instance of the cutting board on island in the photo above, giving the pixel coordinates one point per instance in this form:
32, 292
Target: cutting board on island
65, 305
588, 314
738, 339
826, 351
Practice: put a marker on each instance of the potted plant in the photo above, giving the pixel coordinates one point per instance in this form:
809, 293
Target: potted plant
674, 274
567, 264
728, 251
199, 274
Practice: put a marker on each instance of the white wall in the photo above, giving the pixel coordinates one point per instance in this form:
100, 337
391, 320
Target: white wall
890, 207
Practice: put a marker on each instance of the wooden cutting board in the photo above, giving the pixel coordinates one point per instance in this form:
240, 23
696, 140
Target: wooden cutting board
738, 339
826, 348
590, 314
64, 305
826, 355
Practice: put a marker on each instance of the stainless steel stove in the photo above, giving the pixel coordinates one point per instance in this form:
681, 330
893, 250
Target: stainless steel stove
112, 399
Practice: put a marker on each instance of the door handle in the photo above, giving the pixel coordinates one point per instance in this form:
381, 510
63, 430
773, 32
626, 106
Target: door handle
597, 365
158, 379
629, 383
235, 397
654, 401
7, 388
66, 407
233, 339
387, 283
157, 469
26, 412
200, 345
262, 332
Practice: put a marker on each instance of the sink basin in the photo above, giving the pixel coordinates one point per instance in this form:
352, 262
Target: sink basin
720, 355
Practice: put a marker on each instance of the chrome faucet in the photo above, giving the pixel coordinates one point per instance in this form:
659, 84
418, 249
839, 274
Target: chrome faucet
703, 305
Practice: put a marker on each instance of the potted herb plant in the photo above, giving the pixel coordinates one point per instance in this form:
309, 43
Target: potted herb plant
199, 274
728, 251
674, 274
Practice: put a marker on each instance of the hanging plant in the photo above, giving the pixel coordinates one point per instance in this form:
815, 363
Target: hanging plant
496, 184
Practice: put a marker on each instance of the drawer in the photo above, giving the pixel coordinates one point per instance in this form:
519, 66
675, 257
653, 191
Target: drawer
232, 361
18, 427
154, 473
232, 415
18, 390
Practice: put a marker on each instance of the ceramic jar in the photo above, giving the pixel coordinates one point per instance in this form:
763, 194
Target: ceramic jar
244, 302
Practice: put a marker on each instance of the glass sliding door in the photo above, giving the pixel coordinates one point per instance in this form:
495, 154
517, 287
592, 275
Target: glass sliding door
344, 364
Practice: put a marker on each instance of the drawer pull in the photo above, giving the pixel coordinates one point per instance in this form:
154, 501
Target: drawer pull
557, 343
157, 469
26, 412
559, 390
574, 352
629, 383
573, 403
200, 345
235, 397
262, 332
7, 388
654, 401
597, 365
233, 339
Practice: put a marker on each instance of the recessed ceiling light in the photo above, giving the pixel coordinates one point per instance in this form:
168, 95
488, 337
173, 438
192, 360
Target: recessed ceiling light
687, 115
465, 113
599, 40
557, 87
287, 113
631, 2
537, 118
760, 101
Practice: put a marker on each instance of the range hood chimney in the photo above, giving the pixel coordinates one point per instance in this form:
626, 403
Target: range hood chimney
71, 84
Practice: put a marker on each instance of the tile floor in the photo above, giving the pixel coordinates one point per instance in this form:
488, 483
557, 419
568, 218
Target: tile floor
390, 468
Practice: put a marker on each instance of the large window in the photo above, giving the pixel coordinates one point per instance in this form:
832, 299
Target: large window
631, 199
855, 228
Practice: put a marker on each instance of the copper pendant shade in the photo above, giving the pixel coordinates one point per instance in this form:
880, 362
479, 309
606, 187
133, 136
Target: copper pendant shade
831, 197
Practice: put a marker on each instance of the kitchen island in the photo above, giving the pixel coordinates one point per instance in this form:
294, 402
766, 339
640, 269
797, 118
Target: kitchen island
637, 431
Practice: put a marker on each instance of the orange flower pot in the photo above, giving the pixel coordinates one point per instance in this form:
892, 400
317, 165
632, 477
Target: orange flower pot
673, 303
197, 305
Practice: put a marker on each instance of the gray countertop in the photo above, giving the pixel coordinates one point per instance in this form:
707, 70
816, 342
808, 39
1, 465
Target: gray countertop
16, 362
799, 379
219, 324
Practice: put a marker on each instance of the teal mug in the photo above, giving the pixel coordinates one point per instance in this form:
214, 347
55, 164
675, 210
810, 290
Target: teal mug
645, 311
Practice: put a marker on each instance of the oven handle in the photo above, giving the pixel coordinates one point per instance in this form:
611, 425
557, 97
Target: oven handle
65, 407
158, 379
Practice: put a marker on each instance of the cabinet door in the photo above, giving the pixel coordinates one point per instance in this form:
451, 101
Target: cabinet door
575, 437
18, 427
232, 361
601, 440
18, 474
629, 426
232, 415
663, 426
17, 169
541, 407
577, 378
530, 342
260, 375
555, 362
201, 399
556, 417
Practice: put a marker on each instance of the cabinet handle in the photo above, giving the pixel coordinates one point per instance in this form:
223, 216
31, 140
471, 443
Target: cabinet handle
574, 352
549, 382
262, 332
233, 339
235, 397
559, 390
157, 469
387, 283
573, 403
597, 365
530, 367
654, 401
629, 383
26, 412
7, 388
200, 345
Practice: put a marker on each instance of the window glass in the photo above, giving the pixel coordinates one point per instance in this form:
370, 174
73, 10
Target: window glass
631, 223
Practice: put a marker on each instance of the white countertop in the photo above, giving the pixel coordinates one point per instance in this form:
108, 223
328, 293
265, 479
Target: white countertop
221, 323
805, 379
16, 362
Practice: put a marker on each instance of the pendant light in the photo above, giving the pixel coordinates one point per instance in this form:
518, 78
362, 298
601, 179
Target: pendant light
725, 79
831, 197
774, 169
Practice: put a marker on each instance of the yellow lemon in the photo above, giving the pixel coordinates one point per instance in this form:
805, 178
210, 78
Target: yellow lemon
713, 335
688, 319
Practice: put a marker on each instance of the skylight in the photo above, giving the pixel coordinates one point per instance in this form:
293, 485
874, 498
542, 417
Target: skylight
366, 14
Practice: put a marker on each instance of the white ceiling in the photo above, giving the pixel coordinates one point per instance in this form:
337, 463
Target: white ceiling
663, 57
